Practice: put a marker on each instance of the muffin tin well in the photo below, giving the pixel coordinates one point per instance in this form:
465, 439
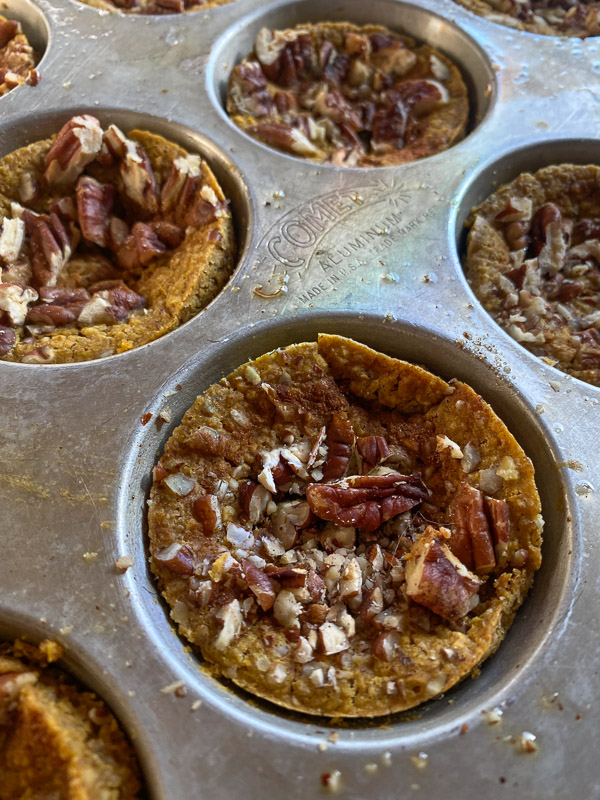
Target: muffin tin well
371, 254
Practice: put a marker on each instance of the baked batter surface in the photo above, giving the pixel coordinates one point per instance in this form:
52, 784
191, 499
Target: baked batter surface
343, 533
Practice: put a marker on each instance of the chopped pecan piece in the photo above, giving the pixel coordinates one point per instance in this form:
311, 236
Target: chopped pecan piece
332, 639
8, 339
288, 519
372, 450
372, 603
248, 91
366, 501
14, 300
471, 540
110, 305
286, 609
285, 56
339, 442
289, 577
253, 499
386, 645
76, 145
178, 558
543, 217
390, 55
207, 511
435, 578
140, 248
11, 239
497, 511
230, 616
95, 202
260, 584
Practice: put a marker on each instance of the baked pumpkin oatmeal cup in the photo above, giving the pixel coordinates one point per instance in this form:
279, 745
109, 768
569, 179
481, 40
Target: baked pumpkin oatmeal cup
342, 533
108, 241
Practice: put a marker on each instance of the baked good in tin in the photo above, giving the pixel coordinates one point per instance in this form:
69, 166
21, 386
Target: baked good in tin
352, 96
108, 241
533, 259
578, 18
57, 740
154, 6
343, 533
17, 58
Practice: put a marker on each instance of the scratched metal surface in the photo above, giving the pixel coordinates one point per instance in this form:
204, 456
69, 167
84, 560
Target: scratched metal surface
370, 254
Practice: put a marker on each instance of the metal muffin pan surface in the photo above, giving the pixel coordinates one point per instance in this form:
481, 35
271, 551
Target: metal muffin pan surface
368, 253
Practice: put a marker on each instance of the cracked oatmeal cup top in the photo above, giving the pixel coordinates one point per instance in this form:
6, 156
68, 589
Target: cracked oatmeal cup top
346, 95
574, 18
343, 533
57, 740
533, 260
107, 242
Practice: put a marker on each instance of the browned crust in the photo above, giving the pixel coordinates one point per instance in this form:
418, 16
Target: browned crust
176, 285
327, 376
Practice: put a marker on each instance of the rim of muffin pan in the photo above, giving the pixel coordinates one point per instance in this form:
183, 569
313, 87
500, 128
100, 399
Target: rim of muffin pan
36, 126
537, 624
425, 26
492, 173
36, 27
87, 675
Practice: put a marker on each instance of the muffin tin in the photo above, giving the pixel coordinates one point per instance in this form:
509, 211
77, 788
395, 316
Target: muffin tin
367, 253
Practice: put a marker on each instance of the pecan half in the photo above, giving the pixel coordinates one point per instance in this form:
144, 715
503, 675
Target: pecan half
366, 501
95, 202
435, 578
497, 511
372, 450
180, 187
9, 28
544, 216
51, 246
283, 137
76, 145
139, 183
471, 540
339, 442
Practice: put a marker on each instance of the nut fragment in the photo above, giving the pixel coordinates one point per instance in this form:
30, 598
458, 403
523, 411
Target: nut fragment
436, 579
77, 144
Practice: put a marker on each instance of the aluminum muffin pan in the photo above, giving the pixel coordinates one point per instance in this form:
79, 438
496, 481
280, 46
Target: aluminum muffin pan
372, 254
